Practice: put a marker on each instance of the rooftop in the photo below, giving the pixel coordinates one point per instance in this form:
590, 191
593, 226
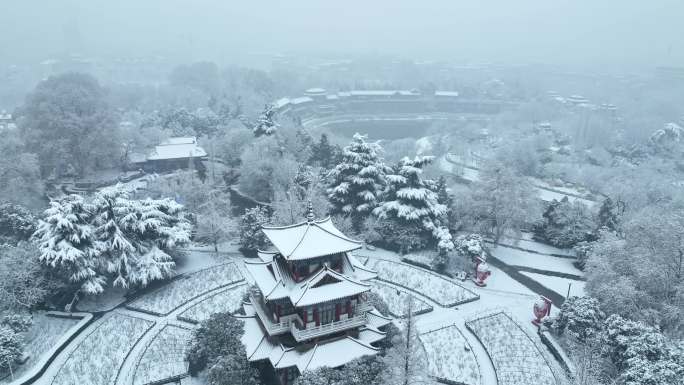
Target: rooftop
177, 148
331, 353
274, 281
309, 239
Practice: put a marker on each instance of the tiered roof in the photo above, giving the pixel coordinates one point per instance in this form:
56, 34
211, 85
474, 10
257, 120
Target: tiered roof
274, 281
309, 239
332, 353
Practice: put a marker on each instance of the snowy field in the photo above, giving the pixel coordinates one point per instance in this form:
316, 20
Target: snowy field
229, 300
164, 357
450, 356
43, 334
97, 359
436, 287
517, 359
169, 297
528, 243
558, 284
515, 257
396, 299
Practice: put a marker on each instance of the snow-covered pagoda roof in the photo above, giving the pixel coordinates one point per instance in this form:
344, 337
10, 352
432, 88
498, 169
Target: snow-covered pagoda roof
309, 239
274, 281
176, 148
331, 353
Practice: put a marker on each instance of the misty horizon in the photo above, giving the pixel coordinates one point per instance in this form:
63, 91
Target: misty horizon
607, 36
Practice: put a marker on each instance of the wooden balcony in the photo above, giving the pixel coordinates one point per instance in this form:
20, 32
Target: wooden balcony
271, 326
357, 320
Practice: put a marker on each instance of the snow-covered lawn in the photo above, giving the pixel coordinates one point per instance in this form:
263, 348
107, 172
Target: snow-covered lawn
185, 288
516, 358
517, 257
396, 299
43, 334
229, 300
164, 357
528, 243
450, 357
558, 284
442, 290
97, 359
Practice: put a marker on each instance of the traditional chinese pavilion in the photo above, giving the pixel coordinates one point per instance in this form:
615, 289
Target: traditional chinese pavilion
308, 306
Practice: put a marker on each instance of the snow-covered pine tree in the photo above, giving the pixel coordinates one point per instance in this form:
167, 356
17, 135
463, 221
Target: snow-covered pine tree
265, 124
135, 237
356, 182
410, 201
67, 243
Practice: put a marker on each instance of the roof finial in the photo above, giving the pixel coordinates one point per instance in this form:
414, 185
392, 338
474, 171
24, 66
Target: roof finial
310, 215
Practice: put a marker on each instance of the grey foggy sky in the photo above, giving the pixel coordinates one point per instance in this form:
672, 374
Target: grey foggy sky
587, 33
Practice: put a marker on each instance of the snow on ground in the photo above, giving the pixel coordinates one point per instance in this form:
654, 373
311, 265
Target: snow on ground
516, 357
544, 191
450, 356
558, 284
169, 297
528, 243
43, 335
396, 299
164, 357
515, 257
229, 300
97, 359
436, 287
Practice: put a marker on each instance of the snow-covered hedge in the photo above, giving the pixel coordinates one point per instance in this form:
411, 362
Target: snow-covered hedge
444, 291
164, 357
517, 359
98, 358
450, 356
228, 300
185, 288
397, 298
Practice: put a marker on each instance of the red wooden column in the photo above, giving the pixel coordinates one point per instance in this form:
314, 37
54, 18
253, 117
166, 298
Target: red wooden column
338, 308
304, 317
315, 315
349, 309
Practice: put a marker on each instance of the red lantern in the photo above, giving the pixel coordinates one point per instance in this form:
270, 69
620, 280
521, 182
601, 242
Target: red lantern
541, 308
482, 272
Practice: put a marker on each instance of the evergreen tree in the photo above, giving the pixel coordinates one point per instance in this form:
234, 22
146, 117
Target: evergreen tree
581, 317
323, 154
409, 201
67, 243
356, 182
609, 214
265, 124
251, 236
135, 237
